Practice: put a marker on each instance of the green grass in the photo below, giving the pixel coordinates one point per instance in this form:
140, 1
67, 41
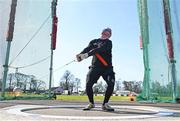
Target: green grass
96, 98
25, 96
165, 99
31, 96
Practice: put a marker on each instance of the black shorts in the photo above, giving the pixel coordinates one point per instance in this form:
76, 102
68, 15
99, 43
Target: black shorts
94, 74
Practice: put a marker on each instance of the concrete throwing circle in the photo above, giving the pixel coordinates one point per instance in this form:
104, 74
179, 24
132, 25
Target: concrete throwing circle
75, 112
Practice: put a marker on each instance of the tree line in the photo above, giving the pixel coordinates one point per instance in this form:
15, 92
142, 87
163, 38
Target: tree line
29, 83
70, 83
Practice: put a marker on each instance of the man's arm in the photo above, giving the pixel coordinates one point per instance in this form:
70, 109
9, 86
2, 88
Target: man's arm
84, 53
88, 48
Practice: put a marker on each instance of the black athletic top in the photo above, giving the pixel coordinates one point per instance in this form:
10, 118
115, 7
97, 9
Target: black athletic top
103, 48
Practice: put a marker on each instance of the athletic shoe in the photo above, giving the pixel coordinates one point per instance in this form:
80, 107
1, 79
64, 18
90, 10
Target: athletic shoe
106, 107
89, 106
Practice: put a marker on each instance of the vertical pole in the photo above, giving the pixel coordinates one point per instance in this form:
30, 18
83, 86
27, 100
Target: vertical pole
6, 68
143, 17
9, 39
173, 74
16, 75
51, 72
170, 47
53, 41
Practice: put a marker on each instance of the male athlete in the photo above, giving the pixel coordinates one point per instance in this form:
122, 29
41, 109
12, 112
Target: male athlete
101, 50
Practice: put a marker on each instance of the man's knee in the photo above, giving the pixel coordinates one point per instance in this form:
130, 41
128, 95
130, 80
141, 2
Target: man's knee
111, 84
89, 84
91, 80
89, 87
111, 80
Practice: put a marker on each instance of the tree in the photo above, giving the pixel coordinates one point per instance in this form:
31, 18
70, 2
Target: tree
71, 86
19, 80
138, 86
99, 87
24, 82
156, 87
117, 85
41, 85
37, 85
31, 83
126, 85
77, 84
67, 81
134, 86
10, 82
160, 89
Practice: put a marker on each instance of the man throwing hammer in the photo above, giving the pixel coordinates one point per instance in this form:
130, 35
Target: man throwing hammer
101, 50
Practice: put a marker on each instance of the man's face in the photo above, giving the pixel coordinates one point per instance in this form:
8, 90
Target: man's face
106, 35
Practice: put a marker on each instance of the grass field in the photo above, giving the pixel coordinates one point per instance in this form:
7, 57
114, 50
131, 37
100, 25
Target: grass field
96, 98
30, 96
24, 96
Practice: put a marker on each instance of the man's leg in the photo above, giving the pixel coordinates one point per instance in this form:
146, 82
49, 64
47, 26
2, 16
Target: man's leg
109, 92
110, 80
92, 77
89, 92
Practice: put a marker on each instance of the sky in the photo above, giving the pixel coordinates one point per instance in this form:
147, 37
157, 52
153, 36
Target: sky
79, 22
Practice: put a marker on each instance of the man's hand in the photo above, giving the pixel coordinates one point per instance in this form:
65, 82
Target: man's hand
84, 56
78, 58
81, 57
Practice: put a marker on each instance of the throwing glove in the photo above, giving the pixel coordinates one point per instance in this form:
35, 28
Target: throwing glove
81, 57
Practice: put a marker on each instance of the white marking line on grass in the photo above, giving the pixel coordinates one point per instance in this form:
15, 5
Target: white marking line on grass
18, 110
